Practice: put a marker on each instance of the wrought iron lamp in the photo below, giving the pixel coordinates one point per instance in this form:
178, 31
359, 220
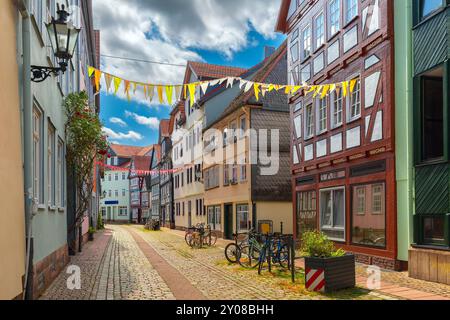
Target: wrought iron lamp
63, 36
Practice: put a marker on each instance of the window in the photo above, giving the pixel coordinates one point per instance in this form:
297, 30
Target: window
38, 162
51, 190
123, 211
306, 36
368, 215
116, 177
234, 175
116, 193
124, 176
355, 101
335, 12
319, 30
124, 192
292, 8
110, 193
60, 175
306, 212
321, 115
243, 220
243, 171
434, 230
336, 104
351, 10
109, 177
298, 126
243, 127
428, 7
360, 198
226, 174
332, 213
214, 217
309, 118
432, 111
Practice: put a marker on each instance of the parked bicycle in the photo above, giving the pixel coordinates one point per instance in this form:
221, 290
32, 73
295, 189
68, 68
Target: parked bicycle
249, 253
232, 250
200, 236
274, 251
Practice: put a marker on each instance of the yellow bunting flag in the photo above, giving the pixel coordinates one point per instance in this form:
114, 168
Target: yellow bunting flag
191, 88
108, 80
295, 89
318, 90
184, 92
134, 87
325, 91
145, 92
352, 85
160, 94
288, 90
97, 76
169, 94
344, 88
256, 87
332, 87
117, 82
91, 71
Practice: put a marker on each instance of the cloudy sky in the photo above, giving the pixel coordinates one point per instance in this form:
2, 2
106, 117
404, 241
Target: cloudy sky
224, 32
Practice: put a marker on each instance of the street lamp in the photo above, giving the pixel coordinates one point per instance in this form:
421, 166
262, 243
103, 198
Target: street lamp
63, 37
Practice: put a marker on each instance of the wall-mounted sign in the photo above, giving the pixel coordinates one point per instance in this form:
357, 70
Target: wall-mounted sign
111, 202
335, 175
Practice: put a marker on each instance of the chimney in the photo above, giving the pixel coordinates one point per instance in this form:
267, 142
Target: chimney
268, 51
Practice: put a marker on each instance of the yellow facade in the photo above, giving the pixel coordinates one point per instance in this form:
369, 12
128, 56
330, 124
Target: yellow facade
12, 224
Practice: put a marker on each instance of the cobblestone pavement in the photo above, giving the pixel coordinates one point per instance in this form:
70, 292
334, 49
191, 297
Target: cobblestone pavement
112, 268
129, 263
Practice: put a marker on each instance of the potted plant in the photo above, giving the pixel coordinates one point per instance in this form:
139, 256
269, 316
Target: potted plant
327, 269
91, 233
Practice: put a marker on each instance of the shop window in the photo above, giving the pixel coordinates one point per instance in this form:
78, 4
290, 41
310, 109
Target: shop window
369, 215
306, 212
332, 213
243, 218
432, 115
434, 230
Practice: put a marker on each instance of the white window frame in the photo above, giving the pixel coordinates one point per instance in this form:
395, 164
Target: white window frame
381, 195
351, 104
337, 99
309, 121
242, 210
298, 126
51, 166
321, 117
243, 130
332, 227
332, 14
360, 194
350, 6
319, 30
306, 42
38, 160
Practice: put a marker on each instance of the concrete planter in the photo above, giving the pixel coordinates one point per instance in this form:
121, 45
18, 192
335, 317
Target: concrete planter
330, 274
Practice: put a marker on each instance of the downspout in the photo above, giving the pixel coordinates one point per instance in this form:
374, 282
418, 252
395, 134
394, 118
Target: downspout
27, 110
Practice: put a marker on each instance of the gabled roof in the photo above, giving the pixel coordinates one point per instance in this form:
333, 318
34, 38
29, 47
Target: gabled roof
264, 70
141, 163
206, 71
123, 151
145, 150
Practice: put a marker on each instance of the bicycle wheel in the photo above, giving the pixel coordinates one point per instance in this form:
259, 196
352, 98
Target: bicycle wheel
195, 242
249, 257
232, 253
283, 257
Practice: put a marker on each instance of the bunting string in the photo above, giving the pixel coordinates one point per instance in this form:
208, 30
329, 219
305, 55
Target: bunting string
165, 92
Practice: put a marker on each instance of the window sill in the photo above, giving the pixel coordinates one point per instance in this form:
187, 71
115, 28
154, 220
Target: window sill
41, 207
347, 24
334, 36
354, 119
318, 134
308, 138
62, 210
337, 126
431, 247
52, 208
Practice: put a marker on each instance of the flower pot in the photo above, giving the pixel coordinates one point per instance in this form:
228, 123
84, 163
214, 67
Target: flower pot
330, 274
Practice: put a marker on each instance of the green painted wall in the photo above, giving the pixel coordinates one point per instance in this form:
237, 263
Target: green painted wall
404, 125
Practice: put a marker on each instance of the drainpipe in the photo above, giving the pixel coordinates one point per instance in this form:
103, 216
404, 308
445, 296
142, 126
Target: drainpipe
27, 110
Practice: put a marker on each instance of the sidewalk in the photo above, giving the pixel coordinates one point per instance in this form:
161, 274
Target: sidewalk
393, 284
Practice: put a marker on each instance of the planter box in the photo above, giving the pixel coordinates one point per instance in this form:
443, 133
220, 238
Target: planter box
330, 274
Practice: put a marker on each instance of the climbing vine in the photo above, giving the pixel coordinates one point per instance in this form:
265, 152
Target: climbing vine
85, 145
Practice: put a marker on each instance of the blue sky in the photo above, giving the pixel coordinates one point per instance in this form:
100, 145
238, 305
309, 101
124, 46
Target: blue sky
153, 38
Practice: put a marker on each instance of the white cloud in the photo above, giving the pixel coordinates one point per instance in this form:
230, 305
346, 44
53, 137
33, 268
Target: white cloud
150, 122
131, 135
170, 31
118, 121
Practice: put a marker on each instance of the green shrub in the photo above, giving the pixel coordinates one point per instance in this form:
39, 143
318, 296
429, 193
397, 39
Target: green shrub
316, 244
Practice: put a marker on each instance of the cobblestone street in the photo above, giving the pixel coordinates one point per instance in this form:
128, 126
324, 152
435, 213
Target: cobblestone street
128, 263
